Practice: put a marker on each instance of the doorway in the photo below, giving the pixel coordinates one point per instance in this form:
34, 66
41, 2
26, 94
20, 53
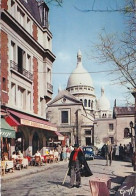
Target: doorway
35, 143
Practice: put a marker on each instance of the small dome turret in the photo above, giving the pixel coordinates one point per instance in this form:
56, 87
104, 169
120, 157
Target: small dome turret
103, 103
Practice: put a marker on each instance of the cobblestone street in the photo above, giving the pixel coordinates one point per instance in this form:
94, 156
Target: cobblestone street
47, 181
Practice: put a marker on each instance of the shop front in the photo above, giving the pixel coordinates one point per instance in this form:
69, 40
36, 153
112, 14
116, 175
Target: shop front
7, 137
32, 133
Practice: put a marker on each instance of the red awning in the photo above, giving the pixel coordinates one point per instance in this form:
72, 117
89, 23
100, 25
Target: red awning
60, 136
32, 121
11, 121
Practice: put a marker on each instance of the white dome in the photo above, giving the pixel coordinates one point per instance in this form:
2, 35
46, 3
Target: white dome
79, 76
103, 103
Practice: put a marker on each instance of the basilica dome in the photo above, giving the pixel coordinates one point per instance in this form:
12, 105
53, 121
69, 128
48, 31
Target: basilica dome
80, 76
103, 103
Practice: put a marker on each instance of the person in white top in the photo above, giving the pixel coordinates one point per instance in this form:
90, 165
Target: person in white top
51, 152
20, 155
38, 153
56, 155
14, 156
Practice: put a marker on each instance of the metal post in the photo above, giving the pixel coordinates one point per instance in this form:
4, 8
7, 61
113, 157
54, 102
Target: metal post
134, 94
135, 135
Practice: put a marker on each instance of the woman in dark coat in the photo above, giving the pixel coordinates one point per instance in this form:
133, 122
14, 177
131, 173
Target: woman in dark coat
76, 161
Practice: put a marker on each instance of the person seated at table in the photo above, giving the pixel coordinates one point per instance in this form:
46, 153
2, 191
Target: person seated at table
14, 156
29, 154
56, 155
20, 155
46, 151
51, 152
38, 153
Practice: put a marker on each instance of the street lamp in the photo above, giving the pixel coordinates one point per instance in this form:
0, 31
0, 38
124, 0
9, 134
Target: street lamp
134, 94
131, 126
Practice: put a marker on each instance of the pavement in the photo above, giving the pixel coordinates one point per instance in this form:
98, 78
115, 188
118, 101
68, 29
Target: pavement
129, 182
29, 170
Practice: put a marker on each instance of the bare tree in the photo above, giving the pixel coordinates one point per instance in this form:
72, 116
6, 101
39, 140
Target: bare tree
56, 2
121, 54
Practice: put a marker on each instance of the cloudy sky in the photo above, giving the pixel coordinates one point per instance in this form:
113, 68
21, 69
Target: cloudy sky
74, 27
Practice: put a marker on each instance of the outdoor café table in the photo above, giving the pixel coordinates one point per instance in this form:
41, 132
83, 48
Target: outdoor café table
100, 185
8, 165
47, 158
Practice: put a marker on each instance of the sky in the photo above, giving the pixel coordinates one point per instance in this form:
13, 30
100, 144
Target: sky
73, 28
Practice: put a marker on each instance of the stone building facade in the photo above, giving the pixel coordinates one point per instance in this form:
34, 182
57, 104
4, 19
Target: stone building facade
90, 121
26, 72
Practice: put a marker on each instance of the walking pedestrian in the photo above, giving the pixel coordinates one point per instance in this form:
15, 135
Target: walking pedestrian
108, 153
68, 151
121, 152
59, 149
77, 159
64, 155
117, 152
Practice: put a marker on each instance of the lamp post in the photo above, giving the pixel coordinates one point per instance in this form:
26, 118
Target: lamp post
131, 134
134, 94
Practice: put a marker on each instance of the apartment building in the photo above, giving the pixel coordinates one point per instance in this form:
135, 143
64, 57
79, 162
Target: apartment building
26, 73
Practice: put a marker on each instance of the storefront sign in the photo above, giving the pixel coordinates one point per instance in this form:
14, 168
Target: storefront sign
38, 125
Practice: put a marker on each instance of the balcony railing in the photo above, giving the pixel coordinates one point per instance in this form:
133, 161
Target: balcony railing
21, 70
49, 87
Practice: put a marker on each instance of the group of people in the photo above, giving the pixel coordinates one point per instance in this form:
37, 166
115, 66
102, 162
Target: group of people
116, 152
64, 152
17, 155
77, 165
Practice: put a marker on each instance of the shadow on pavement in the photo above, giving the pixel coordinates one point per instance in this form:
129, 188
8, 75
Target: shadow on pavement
66, 184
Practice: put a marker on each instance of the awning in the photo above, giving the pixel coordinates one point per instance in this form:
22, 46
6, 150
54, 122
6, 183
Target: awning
6, 129
60, 136
25, 119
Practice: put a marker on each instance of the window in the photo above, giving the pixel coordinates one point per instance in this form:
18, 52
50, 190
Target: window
111, 127
28, 63
88, 132
49, 42
85, 103
28, 25
92, 105
21, 58
20, 16
12, 51
42, 106
28, 100
112, 140
64, 116
104, 116
48, 75
126, 133
13, 93
88, 141
4, 84
21, 97
12, 7
89, 103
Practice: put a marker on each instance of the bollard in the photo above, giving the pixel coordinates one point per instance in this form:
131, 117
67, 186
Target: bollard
100, 186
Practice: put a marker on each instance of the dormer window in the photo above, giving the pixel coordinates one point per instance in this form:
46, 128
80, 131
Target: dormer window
43, 13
